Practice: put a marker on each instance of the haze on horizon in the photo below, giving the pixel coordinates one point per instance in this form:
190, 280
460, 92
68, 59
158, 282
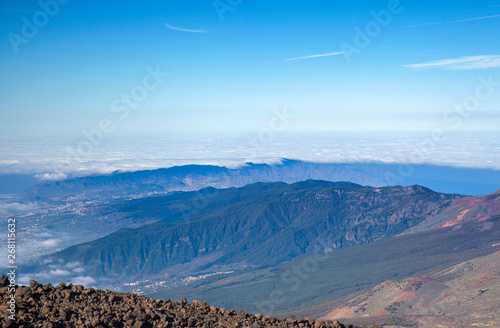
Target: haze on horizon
96, 75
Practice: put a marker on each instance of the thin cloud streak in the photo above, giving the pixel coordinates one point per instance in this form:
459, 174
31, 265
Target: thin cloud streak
455, 21
460, 64
308, 57
171, 27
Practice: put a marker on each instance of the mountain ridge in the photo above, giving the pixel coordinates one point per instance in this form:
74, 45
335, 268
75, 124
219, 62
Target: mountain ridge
259, 224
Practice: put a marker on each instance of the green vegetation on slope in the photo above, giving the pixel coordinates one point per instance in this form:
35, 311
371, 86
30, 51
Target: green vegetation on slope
259, 224
299, 287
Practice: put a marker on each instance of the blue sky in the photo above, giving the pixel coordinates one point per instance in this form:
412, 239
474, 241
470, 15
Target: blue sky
228, 71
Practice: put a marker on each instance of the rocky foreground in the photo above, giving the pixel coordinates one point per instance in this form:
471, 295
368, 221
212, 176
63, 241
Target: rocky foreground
74, 306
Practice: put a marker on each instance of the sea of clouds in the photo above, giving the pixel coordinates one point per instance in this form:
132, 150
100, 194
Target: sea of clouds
58, 158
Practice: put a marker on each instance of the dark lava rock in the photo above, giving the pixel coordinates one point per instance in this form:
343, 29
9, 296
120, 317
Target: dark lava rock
73, 306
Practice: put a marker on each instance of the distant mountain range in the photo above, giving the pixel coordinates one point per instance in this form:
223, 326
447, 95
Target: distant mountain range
194, 177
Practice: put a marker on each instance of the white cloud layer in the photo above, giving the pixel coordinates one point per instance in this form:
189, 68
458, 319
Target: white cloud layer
49, 243
16, 208
143, 153
51, 176
462, 63
57, 272
83, 280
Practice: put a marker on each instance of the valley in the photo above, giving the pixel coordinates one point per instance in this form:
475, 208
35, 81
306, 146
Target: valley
308, 248
291, 249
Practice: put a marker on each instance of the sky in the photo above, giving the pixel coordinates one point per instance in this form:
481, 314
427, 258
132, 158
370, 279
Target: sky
166, 67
